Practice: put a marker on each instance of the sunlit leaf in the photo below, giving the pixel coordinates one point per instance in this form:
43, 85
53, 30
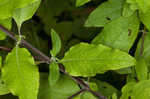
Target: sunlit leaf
87, 59
56, 43
20, 74
22, 14
54, 73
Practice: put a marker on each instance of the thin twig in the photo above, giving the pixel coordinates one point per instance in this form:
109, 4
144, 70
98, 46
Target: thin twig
26, 44
5, 49
77, 93
142, 43
47, 60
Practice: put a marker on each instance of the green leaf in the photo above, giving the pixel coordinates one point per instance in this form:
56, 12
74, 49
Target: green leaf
85, 95
54, 73
64, 88
143, 5
146, 50
144, 17
6, 9
114, 96
141, 90
6, 23
0, 62
23, 3
22, 14
124, 71
120, 33
81, 2
133, 4
56, 43
93, 86
20, 74
88, 59
141, 69
127, 90
127, 11
3, 88
105, 13
105, 88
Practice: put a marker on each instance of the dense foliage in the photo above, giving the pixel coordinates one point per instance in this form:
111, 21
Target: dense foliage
93, 49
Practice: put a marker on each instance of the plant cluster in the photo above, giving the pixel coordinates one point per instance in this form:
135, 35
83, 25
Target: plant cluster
74, 49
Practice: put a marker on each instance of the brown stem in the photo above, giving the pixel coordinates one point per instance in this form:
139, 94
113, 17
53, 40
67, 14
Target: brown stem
142, 43
77, 93
5, 49
48, 60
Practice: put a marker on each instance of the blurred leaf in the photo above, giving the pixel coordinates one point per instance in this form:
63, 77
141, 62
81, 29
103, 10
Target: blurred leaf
6, 9
124, 71
104, 59
23, 3
114, 96
85, 95
141, 69
105, 13
64, 88
141, 90
146, 50
145, 18
120, 33
127, 90
81, 2
0, 62
34, 35
105, 88
93, 86
142, 5
127, 11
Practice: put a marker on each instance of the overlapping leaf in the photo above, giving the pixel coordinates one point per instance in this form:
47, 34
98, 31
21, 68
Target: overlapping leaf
7, 7
120, 33
105, 13
142, 5
20, 74
81, 2
127, 90
141, 69
64, 88
22, 14
105, 88
145, 18
141, 90
146, 48
88, 59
